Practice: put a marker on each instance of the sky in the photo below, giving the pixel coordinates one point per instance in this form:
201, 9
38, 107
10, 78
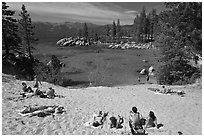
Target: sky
93, 12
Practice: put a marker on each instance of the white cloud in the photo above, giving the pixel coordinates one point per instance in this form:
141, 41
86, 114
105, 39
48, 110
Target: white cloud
131, 11
78, 10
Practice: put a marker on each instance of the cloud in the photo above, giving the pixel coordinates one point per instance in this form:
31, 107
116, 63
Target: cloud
131, 11
88, 12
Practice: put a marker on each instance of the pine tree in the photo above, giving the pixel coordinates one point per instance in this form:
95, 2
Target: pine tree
142, 26
80, 33
85, 31
10, 38
180, 30
96, 36
118, 30
26, 28
107, 30
153, 23
114, 31
137, 28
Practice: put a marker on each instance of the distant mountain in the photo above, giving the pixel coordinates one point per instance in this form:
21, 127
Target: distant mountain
52, 32
46, 31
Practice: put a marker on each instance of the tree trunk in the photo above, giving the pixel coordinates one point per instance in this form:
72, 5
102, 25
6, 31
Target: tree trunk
5, 42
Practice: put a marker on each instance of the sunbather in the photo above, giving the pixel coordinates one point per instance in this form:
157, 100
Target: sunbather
51, 93
116, 122
38, 92
135, 122
151, 120
26, 89
41, 111
97, 119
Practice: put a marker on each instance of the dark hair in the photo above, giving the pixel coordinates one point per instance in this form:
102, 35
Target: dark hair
134, 109
23, 83
151, 115
100, 112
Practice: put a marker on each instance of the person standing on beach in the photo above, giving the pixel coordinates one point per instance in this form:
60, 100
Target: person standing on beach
147, 78
138, 78
37, 82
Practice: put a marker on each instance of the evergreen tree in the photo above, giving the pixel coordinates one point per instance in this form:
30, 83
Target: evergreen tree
96, 36
114, 31
180, 30
146, 28
142, 27
107, 30
80, 33
137, 28
26, 28
118, 30
85, 31
10, 38
153, 23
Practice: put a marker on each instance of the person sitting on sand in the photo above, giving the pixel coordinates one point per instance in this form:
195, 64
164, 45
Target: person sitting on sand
51, 93
135, 122
116, 122
151, 120
26, 89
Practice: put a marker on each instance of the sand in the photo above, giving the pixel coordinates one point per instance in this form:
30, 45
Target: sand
176, 113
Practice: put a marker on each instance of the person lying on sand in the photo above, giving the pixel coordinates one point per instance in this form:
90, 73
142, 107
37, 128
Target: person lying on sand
97, 119
151, 120
38, 92
41, 111
116, 122
167, 91
135, 122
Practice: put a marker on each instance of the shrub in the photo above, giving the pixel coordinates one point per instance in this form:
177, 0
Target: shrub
179, 39
51, 73
21, 67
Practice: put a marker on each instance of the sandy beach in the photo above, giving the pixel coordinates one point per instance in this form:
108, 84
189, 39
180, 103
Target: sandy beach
176, 113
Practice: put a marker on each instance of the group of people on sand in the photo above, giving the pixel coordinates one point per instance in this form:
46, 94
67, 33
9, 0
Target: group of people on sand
36, 90
40, 111
167, 91
137, 123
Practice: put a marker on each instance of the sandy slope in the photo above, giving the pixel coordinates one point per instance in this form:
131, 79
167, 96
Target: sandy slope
174, 112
